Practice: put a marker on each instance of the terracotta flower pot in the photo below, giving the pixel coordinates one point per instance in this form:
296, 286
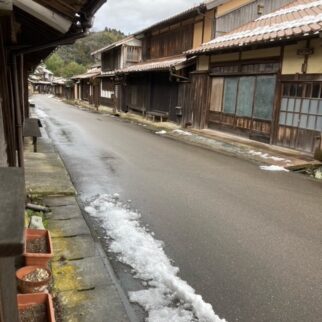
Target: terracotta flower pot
39, 304
32, 286
37, 257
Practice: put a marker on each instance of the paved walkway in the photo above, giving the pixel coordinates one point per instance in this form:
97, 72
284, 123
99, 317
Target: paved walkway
83, 282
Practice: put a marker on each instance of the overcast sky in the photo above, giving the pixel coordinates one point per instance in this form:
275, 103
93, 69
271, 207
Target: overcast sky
133, 15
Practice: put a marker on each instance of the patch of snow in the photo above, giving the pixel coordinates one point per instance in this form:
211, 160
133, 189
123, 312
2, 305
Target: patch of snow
291, 9
307, 20
267, 156
50, 96
41, 113
180, 132
161, 132
318, 173
168, 298
273, 168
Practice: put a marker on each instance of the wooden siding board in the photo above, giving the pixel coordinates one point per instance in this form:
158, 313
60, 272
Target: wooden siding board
245, 14
194, 98
173, 42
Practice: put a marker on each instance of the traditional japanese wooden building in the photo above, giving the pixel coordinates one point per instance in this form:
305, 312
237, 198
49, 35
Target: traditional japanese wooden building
87, 86
116, 56
161, 83
29, 32
264, 79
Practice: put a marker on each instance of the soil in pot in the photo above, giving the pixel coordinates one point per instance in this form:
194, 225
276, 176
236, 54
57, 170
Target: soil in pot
37, 245
32, 279
38, 275
34, 313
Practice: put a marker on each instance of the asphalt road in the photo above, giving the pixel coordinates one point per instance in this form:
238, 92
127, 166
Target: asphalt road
247, 240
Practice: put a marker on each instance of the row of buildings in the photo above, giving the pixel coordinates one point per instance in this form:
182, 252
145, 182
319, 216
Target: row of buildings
29, 32
250, 67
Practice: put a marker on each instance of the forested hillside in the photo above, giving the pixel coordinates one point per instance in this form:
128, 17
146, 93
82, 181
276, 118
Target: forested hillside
75, 59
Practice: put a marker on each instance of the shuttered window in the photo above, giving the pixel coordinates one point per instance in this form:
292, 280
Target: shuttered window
246, 96
230, 95
264, 97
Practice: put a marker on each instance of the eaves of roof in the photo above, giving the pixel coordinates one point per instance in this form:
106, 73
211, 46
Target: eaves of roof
301, 18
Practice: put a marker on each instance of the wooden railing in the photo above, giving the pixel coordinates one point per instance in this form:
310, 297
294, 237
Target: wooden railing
12, 201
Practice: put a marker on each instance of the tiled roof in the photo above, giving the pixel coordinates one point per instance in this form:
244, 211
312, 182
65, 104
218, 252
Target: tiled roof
203, 5
297, 19
160, 64
89, 74
113, 45
109, 73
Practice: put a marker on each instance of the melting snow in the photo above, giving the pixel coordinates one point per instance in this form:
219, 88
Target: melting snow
180, 132
307, 20
273, 168
161, 132
267, 156
167, 298
41, 113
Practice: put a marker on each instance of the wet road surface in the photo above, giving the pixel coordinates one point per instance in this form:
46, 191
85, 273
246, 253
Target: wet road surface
247, 240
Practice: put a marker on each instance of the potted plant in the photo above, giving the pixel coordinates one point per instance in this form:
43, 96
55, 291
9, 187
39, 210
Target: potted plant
33, 279
38, 247
35, 307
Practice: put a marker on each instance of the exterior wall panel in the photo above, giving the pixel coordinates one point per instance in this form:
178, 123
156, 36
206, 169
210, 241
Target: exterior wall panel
229, 20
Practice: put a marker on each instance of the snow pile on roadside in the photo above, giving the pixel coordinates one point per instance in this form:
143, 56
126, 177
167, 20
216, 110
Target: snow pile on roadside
161, 132
267, 156
273, 168
180, 132
168, 298
41, 113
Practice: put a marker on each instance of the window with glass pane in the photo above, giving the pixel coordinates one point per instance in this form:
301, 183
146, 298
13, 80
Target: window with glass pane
319, 123
303, 121
230, 95
296, 119
245, 96
264, 97
282, 118
314, 107
284, 104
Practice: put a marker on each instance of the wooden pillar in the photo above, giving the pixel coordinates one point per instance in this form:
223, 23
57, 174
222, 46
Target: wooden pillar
18, 110
8, 293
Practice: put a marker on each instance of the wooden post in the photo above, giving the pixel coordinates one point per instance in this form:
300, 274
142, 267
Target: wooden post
18, 111
8, 293
12, 204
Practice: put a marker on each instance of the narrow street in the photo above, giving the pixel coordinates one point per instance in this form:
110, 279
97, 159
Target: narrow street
247, 240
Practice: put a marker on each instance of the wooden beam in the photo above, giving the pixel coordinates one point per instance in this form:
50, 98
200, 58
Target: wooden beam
5, 7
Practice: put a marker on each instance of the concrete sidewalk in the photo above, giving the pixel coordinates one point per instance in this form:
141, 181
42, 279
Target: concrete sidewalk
84, 285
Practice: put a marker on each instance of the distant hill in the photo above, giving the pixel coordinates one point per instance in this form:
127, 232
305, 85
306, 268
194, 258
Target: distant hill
74, 59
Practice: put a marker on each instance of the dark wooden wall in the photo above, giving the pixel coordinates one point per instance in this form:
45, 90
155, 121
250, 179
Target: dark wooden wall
85, 89
151, 92
111, 60
168, 43
164, 94
137, 92
246, 14
194, 99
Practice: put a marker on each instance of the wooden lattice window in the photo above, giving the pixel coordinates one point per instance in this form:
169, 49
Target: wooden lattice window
301, 105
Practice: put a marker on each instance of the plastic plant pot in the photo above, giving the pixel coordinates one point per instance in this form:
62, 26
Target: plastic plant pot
37, 305
34, 257
32, 286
